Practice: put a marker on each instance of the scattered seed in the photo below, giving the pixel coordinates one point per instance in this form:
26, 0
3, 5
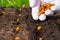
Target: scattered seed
17, 28
17, 20
44, 7
17, 38
19, 15
39, 28
40, 38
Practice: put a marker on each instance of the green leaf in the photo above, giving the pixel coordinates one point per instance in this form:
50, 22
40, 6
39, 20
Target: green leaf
17, 3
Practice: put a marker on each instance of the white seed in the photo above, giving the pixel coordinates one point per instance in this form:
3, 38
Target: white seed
49, 12
42, 17
35, 11
53, 8
32, 3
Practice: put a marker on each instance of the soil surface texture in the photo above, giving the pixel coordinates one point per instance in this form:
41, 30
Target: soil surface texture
28, 27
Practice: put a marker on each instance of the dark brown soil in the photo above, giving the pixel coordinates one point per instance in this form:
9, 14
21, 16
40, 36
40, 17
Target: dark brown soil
8, 16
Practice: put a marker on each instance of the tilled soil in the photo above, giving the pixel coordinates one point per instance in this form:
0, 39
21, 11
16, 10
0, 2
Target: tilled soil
28, 27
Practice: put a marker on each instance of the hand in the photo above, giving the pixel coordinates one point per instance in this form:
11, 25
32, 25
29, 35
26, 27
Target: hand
35, 4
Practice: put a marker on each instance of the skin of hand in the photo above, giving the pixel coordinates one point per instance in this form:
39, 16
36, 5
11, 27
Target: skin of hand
35, 4
32, 3
57, 5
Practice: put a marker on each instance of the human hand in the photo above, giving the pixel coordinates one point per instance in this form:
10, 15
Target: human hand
35, 4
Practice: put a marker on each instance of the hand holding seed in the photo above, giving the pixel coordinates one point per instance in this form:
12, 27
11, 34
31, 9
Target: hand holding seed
43, 8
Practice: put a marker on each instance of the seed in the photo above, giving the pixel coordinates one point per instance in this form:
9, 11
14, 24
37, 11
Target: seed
48, 8
48, 5
41, 4
42, 10
20, 15
39, 13
3, 12
17, 38
40, 38
39, 28
44, 5
17, 28
45, 9
17, 20
20, 9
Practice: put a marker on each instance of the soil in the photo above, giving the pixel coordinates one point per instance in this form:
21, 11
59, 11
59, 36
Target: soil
28, 27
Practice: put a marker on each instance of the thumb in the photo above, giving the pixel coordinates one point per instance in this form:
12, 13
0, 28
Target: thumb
32, 3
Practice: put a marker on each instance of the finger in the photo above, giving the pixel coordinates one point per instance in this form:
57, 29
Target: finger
57, 8
53, 8
45, 1
34, 13
42, 17
49, 12
32, 3
57, 4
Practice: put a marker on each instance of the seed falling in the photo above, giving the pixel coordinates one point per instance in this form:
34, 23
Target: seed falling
17, 38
